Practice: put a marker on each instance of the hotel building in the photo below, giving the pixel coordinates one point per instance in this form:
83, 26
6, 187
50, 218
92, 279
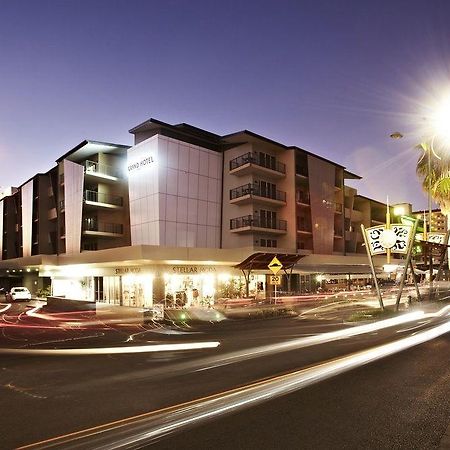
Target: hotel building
170, 217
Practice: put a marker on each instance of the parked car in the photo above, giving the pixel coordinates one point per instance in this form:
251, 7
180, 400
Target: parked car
18, 293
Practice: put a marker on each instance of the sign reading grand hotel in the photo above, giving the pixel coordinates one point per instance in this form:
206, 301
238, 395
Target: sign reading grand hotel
145, 161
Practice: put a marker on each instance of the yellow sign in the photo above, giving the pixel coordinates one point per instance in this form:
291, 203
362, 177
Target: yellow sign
275, 266
275, 279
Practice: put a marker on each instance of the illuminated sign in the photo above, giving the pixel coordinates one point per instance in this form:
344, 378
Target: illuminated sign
126, 270
145, 161
193, 269
397, 239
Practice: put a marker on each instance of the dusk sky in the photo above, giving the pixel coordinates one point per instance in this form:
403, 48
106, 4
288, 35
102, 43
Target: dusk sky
333, 77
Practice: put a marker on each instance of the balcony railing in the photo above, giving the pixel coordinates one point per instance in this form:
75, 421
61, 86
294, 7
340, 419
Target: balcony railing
255, 221
301, 170
92, 167
302, 197
102, 227
250, 189
304, 228
101, 197
255, 158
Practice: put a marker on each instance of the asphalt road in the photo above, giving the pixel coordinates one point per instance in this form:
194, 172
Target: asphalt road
50, 396
401, 402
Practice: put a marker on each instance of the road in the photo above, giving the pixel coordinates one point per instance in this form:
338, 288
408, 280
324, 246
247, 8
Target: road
399, 399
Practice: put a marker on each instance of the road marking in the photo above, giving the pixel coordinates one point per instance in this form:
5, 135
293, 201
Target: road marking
145, 428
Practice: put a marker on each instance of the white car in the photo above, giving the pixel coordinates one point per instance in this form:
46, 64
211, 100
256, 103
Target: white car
19, 293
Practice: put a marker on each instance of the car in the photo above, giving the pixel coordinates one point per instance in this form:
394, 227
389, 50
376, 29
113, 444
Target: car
19, 293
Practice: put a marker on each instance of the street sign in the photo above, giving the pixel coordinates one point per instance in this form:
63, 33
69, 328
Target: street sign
275, 266
275, 280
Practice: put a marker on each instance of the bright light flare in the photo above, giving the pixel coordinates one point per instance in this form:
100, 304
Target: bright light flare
440, 120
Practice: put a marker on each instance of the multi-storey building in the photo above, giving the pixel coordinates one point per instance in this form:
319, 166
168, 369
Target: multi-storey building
170, 216
438, 220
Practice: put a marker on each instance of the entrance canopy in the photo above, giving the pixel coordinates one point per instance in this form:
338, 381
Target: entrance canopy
261, 261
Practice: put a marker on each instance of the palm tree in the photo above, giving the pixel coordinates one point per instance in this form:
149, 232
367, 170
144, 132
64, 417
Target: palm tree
433, 170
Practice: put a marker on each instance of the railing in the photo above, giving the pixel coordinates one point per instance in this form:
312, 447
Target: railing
254, 158
113, 228
101, 197
250, 189
255, 221
302, 197
101, 169
301, 170
306, 228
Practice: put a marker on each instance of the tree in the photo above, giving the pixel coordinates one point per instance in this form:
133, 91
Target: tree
435, 175
433, 169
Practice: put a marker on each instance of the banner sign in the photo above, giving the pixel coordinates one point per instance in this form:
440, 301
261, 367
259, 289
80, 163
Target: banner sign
434, 237
395, 238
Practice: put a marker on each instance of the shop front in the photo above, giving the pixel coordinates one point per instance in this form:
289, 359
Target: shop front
173, 286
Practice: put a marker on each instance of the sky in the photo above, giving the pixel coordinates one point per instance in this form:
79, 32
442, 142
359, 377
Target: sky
333, 77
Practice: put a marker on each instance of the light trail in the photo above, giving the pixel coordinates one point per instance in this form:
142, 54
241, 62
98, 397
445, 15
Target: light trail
110, 350
5, 308
311, 340
134, 432
218, 360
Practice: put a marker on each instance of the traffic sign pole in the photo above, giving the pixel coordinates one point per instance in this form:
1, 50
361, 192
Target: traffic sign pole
275, 266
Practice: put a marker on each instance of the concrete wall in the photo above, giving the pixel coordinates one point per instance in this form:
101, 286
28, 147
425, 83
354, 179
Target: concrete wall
73, 198
175, 193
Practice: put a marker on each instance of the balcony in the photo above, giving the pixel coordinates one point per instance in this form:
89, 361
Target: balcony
257, 163
304, 229
302, 198
301, 171
103, 200
250, 224
103, 171
101, 229
249, 193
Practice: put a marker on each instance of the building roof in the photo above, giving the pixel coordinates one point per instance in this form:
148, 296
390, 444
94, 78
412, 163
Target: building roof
219, 143
87, 148
182, 131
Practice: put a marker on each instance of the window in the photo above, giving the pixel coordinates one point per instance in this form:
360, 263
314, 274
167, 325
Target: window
268, 190
268, 243
268, 219
90, 246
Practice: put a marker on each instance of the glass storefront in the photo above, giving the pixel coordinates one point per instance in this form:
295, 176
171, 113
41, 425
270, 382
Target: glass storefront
189, 290
128, 290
